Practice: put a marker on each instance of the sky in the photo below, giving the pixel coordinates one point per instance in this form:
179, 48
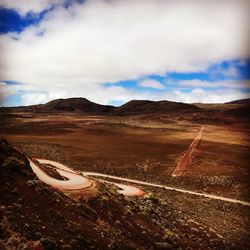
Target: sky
114, 51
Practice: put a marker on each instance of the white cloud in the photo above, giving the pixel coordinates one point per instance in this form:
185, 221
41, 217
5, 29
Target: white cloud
34, 98
107, 41
231, 72
198, 95
25, 6
149, 83
196, 83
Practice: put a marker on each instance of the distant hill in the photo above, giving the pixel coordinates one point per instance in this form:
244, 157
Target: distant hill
75, 105
241, 101
80, 105
144, 107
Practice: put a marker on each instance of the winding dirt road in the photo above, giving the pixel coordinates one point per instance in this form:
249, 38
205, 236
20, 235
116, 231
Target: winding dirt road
76, 181
186, 156
73, 182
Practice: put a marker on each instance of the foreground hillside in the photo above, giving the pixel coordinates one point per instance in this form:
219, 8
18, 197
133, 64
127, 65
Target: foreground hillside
33, 213
36, 216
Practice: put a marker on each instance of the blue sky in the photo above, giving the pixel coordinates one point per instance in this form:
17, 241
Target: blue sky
11, 21
93, 50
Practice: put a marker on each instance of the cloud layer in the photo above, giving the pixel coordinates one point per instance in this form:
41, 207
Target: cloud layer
79, 49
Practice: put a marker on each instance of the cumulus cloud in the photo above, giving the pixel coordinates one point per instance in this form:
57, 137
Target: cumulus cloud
149, 83
78, 49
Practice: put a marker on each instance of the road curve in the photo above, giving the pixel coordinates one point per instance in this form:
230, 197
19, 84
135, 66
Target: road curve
75, 181
126, 190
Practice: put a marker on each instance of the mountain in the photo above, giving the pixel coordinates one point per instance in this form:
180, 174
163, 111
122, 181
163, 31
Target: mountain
80, 105
241, 101
145, 106
75, 105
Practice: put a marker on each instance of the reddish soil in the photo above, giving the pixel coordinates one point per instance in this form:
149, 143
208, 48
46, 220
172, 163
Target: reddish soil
141, 147
116, 142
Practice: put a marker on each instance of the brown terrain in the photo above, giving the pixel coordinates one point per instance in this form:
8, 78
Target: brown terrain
140, 140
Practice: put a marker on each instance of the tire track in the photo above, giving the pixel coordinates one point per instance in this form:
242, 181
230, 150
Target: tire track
186, 156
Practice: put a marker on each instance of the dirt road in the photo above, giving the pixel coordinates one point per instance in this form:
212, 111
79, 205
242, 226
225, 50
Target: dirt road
75, 181
245, 203
79, 180
186, 156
